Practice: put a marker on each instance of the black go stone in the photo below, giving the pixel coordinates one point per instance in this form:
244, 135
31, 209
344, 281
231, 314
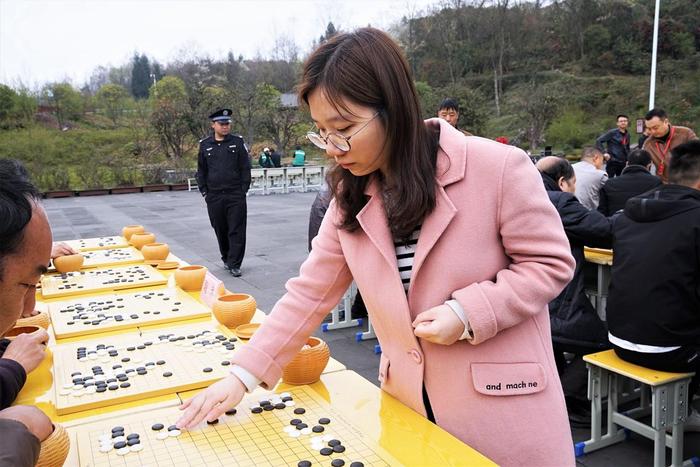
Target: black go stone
324, 421
225, 363
357, 464
133, 436
113, 387
269, 408
125, 385
317, 429
167, 374
326, 451
337, 462
119, 445
231, 412
301, 426
117, 428
280, 406
339, 448
263, 403
295, 421
334, 442
172, 427
304, 464
207, 370
256, 409
160, 362
287, 398
133, 441
157, 427
213, 422
299, 410
101, 388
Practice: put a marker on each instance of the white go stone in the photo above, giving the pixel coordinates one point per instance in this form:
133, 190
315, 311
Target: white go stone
123, 451
306, 431
64, 392
290, 403
67, 385
295, 434
289, 429
327, 438
105, 438
136, 447
285, 394
162, 435
174, 433
105, 447
118, 439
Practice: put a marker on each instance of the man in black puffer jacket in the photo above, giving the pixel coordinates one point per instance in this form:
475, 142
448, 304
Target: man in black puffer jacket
634, 180
576, 326
654, 300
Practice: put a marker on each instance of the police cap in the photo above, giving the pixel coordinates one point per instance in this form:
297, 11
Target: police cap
221, 115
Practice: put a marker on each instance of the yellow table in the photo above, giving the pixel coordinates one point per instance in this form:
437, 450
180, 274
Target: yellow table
603, 260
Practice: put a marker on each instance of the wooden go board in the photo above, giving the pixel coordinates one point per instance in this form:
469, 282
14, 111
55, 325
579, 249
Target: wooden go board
111, 257
98, 243
98, 280
110, 312
111, 370
244, 438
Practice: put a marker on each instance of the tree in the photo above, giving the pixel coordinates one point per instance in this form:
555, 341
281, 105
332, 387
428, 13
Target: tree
113, 98
282, 124
67, 102
140, 76
171, 117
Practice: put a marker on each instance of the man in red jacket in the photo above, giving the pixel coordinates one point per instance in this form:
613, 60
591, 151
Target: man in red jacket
25, 247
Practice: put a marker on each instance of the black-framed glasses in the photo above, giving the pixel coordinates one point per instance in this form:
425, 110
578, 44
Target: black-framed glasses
339, 141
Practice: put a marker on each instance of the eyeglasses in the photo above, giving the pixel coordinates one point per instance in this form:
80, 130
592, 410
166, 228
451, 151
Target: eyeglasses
339, 141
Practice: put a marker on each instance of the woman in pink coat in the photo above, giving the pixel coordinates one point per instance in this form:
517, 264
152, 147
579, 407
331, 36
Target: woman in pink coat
456, 250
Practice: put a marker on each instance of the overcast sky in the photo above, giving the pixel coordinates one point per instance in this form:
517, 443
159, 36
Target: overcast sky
55, 40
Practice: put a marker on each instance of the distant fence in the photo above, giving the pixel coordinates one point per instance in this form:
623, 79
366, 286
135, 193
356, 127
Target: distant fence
282, 180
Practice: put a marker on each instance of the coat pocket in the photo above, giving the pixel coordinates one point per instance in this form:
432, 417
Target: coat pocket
383, 368
508, 379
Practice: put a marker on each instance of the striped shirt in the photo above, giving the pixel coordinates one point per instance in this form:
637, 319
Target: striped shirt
404, 257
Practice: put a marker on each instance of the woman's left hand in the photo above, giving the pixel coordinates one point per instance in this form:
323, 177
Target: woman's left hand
439, 325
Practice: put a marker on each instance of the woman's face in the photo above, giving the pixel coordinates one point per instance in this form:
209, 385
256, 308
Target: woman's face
367, 147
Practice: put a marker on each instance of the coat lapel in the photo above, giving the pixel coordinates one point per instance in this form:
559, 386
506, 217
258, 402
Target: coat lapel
372, 219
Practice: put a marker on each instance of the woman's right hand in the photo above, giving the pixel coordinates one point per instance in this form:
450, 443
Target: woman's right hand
211, 403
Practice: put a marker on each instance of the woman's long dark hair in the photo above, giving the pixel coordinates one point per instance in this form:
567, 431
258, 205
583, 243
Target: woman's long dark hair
366, 67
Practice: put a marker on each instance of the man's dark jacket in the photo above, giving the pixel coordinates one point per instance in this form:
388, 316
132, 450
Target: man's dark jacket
654, 296
575, 322
618, 145
223, 166
634, 180
12, 377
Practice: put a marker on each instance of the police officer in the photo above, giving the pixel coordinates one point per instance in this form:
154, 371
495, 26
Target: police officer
223, 177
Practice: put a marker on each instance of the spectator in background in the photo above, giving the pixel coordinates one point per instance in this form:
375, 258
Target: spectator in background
449, 111
276, 157
663, 137
576, 327
265, 159
634, 180
590, 177
617, 141
299, 157
656, 243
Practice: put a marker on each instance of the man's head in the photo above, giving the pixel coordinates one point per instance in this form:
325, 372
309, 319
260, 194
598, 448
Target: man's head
639, 157
449, 111
594, 156
684, 168
559, 170
25, 243
656, 123
622, 122
221, 122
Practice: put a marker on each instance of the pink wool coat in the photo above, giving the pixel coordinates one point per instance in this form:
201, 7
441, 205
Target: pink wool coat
495, 244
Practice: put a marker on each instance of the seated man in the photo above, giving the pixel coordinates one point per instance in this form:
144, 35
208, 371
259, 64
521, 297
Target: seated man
653, 303
576, 327
634, 180
25, 247
590, 177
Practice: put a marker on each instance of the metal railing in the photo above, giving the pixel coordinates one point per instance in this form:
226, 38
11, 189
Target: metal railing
281, 180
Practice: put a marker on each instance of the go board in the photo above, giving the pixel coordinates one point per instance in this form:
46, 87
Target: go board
111, 257
98, 280
98, 243
110, 312
259, 433
111, 370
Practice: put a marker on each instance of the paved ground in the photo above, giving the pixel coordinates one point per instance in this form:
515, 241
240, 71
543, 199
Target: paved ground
277, 244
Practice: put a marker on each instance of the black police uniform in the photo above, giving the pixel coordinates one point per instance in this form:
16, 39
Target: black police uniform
223, 177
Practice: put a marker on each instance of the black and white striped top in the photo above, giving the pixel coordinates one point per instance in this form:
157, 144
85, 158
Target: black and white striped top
404, 257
